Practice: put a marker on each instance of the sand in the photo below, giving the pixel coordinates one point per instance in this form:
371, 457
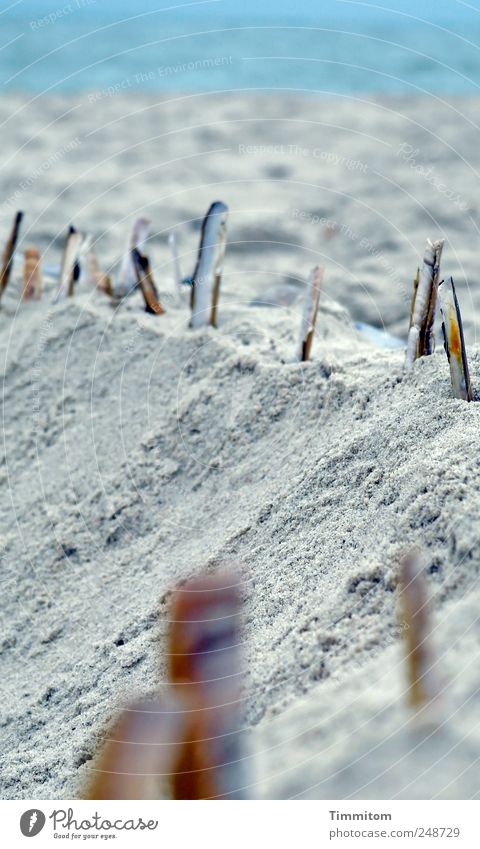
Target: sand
138, 452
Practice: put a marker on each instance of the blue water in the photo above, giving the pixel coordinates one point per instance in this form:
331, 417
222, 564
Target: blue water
326, 46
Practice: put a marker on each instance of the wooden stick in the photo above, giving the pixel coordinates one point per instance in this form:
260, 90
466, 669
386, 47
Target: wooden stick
310, 312
208, 270
32, 275
146, 283
421, 340
8, 253
454, 341
70, 269
414, 613
127, 277
204, 669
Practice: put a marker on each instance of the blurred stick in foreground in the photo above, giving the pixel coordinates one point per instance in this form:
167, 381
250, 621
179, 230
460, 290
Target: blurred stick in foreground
421, 340
205, 670
140, 753
208, 270
415, 619
454, 341
146, 283
309, 319
32, 275
8, 253
188, 744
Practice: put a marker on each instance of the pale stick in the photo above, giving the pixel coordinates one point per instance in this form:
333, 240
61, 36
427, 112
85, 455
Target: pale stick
309, 318
421, 340
32, 275
127, 276
69, 268
454, 341
208, 270
146, 283
415, 623
8, 253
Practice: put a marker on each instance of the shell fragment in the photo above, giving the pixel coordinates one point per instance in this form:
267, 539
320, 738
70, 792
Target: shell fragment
421, 340
454, 341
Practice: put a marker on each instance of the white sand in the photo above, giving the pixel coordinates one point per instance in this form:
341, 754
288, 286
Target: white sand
139, 452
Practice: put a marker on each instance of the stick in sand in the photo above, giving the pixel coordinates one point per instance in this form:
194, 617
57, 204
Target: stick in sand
421, 340
69, 269
127, 276
32, 275
309, 318
7, 259
414, 613
208, 270
454, 341
146, 283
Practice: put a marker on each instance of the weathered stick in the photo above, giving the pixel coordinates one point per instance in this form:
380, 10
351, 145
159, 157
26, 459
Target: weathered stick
421, 340
8, 253
416, 281
208, 270
146, 283
32, 275
70, 269
415, 621
140, 753
204, 669
309, 318
454, 341
127, 276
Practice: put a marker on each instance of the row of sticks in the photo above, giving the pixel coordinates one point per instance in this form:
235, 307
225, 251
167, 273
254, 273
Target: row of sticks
79, 259
136, 273
188, 743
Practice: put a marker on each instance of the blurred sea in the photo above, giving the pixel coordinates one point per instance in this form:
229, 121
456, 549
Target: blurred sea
328, 47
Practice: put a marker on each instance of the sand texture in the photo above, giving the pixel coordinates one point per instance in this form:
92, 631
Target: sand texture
138, 452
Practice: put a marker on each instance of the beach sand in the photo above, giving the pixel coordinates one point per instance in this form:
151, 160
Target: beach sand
138, 452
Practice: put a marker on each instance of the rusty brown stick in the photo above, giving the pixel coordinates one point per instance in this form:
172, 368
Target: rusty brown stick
8, 253
32, 275
146, 283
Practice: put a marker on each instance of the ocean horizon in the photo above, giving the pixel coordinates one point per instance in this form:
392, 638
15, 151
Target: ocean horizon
343, 48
